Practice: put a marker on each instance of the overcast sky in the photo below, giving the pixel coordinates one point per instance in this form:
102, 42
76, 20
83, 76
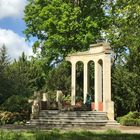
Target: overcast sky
12, 26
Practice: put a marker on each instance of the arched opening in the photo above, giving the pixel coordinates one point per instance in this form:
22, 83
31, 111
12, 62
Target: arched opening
79, 80
66, 78
91, 85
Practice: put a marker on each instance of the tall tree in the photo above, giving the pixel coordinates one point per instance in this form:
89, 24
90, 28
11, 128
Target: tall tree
123, 35
59, 78
4, 59
5, 82
62, 26
27, 76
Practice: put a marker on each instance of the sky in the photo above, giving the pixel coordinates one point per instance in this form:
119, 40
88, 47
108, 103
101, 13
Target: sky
11, 28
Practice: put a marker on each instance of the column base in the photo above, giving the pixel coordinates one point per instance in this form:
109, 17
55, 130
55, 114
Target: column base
110, 110
100, 106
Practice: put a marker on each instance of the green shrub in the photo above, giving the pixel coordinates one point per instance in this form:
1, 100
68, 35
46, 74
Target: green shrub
130, 122
66, 99
131, 119
10, 118
18, 104
51, 96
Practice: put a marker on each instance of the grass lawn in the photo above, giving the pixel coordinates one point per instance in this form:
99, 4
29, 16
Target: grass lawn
69, 135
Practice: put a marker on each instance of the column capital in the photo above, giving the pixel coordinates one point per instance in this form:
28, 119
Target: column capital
73, 62
85, 62
96, 61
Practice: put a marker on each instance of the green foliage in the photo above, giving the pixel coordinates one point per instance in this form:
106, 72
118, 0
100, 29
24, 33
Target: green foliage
26, 75
49, 135
10, 118
66, 103
79, 78
131, 119
4, 59
69, 135
36, 74
125, 18
130, 122
113, 131
5, 80
11, 136
18, 81
125, 90
123, 35
133, 115
62, 26
66, 100
21, 77
59, 78
51, 95
16, 103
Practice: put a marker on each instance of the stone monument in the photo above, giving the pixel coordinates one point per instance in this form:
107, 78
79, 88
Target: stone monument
97, 53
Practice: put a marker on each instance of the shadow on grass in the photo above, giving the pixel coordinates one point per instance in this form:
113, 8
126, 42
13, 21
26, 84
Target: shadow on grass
71, 135
99, 136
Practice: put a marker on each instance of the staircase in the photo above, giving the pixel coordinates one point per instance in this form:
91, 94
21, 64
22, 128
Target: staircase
70, 119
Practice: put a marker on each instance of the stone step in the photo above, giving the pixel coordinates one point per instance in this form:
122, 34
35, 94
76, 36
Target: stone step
112, 123
68, 121
73, 118
71, 112
86, 123
55, 118
60, 114
67, 126
71, 115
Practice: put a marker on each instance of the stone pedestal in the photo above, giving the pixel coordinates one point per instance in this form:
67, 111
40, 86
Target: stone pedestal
110, 110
